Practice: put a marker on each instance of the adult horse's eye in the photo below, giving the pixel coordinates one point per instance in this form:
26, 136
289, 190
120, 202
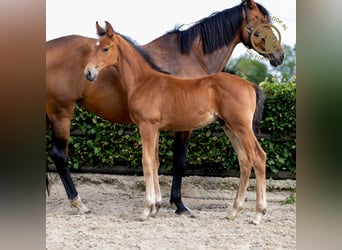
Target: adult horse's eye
105, 49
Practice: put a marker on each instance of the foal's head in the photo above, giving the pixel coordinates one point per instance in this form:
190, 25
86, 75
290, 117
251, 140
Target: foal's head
105, 53
257, 32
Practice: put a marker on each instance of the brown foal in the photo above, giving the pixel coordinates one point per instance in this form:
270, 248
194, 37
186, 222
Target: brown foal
158, 101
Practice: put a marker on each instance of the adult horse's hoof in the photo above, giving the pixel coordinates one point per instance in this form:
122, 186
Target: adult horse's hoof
184, 211
181, 209
78, 205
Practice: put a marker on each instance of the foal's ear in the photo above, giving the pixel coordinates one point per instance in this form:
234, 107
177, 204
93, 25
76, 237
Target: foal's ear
109, 29
99, 29
251, 4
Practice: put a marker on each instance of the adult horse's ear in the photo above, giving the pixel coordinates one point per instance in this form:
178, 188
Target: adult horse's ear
99, 29
251, 4
109, 29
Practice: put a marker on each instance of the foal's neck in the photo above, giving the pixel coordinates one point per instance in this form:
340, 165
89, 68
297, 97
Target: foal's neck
132, 68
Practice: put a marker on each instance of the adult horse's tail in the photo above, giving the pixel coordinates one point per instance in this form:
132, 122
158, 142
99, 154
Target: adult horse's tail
48, 185
260, 99
47, 182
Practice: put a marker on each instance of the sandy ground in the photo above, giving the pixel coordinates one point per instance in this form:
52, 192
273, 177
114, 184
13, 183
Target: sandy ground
117, 201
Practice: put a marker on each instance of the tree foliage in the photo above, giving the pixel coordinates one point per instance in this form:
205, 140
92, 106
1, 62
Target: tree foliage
287, 70
257, 71
250, 69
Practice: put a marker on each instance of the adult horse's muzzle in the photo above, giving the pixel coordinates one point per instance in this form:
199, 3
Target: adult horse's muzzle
90, 73
276, 58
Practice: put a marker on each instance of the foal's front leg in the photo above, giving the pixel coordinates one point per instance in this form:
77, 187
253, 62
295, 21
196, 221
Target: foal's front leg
149, 137
157, 191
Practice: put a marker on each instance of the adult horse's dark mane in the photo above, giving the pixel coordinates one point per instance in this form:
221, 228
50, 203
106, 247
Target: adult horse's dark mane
142, 52
217, 30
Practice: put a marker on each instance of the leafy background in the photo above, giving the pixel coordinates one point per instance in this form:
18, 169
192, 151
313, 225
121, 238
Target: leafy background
101, 143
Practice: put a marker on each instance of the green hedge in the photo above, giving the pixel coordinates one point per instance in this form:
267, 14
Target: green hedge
279, 120
108, 144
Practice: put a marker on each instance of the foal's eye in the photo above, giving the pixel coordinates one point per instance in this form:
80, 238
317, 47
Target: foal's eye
105, 49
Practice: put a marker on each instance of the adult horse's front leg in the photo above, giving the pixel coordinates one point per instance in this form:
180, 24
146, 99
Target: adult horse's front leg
60, 136
181, 142
149, 136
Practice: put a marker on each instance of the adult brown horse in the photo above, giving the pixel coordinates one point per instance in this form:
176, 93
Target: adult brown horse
202, 49
159, 101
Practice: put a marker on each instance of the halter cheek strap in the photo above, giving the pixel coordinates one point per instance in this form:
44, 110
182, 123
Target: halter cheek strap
249, 27
247, 11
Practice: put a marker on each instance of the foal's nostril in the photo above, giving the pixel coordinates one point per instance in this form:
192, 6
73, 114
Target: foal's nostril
89, 75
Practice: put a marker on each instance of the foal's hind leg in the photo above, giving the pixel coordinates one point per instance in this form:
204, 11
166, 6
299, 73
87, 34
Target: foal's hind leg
250, 154
59, 154
259, 165
245, 171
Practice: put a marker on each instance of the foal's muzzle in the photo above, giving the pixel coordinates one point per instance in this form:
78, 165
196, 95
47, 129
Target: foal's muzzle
90, 74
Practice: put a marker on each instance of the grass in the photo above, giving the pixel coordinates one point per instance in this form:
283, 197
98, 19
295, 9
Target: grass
290, 200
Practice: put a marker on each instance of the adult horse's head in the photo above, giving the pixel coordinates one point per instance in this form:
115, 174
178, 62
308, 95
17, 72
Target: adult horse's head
257, 32
105, 53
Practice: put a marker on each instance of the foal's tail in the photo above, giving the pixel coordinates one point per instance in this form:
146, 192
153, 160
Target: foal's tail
260, 99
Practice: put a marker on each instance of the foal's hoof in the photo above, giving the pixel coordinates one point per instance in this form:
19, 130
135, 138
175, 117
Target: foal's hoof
143, 217
258, 217
146, 214
235, 212
79, 207
155, 210
255, 221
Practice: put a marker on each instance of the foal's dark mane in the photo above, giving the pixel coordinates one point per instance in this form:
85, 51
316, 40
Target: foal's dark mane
142, 52
216, 30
